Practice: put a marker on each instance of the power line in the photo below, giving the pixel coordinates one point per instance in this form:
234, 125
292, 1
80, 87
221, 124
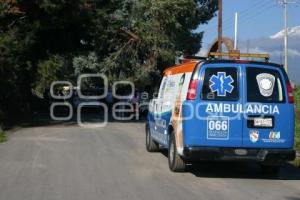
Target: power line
256, 6
243, 12
257, 13
228, 21
246, 18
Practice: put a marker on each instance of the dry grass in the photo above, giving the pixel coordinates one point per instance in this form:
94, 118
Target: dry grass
2, 136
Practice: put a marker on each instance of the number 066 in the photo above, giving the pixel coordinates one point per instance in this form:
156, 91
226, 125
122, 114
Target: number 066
218, 125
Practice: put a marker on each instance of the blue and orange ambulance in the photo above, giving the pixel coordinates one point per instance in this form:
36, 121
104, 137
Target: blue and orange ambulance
223, 110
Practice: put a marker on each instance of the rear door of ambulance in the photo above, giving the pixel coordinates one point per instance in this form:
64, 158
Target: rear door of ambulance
268, 106
216, 122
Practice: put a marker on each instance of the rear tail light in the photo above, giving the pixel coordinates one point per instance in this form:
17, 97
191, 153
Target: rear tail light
191, 94
290, 92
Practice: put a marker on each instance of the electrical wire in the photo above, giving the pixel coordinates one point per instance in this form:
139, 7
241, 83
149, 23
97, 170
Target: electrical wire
228, 22
245, 18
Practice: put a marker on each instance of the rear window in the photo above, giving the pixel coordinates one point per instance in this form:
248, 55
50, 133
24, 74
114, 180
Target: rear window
220, 84
264, 85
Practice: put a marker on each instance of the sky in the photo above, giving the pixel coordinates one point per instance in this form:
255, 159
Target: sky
257, 21
257, 18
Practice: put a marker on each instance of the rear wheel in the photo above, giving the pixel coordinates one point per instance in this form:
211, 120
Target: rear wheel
151, 145
176, 163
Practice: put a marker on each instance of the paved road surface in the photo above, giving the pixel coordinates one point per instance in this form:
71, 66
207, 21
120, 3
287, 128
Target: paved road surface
66, 162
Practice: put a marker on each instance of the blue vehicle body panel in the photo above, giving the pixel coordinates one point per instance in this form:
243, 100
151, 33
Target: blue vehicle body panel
284, 122
159, 124
195, 129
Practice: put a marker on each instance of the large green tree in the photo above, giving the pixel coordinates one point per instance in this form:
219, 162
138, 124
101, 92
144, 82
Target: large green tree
31, 33
46, 40
153, 33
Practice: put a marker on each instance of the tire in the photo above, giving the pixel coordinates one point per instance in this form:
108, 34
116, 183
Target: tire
176, 163
270, 170
151, 145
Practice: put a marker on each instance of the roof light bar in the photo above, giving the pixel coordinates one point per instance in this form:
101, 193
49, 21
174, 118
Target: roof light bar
238, 55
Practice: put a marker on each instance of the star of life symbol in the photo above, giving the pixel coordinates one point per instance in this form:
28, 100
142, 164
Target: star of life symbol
221, 84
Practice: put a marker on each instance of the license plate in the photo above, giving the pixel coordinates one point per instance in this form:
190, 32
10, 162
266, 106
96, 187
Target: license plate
263, 122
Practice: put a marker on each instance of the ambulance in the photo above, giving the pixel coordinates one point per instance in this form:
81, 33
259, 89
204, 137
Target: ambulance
226, 110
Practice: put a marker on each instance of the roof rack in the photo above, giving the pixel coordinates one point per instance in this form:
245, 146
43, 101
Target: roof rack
185, 59
237, 55
195, 57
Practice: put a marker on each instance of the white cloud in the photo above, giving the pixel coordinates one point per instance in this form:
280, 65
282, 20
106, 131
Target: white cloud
272, 45
252, 50
294, 53
292, 32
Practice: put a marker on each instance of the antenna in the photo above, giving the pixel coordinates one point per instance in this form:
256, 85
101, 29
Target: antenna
235, 30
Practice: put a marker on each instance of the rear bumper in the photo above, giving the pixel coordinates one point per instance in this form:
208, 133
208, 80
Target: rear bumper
218, 153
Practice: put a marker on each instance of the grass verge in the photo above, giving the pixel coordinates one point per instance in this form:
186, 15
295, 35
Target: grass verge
297, 132
3, 137
297, 125
296, 162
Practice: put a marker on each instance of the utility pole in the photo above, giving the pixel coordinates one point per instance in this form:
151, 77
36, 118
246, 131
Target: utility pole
285, 36
220, 7
285, 6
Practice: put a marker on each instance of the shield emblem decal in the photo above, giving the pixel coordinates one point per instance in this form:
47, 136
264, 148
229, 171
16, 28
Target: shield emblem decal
266, 84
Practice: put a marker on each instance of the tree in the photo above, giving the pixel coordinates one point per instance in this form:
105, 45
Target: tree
48, 71
41, 40
31, 32
86, 64
163, 29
